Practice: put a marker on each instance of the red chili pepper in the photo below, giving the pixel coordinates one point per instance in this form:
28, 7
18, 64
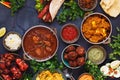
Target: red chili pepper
43, 12
48, 17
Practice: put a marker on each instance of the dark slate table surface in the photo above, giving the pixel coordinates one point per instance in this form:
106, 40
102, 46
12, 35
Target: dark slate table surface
26, 17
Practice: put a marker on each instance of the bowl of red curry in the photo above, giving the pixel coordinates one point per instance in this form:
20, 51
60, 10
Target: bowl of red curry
70, 33
40, 43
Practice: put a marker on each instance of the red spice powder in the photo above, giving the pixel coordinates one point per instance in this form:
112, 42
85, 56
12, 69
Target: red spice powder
69, 33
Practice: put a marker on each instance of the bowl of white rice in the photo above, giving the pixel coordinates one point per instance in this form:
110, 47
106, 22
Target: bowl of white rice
12, 41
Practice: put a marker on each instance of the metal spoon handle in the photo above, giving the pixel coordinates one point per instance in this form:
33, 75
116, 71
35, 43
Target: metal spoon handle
72, 78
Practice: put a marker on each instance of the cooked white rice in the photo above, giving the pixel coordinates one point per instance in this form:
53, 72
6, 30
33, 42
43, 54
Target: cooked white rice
13, 41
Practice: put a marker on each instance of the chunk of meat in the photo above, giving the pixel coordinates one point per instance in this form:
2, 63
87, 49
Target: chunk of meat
80, 50
48, 49
66, 56
6, 71
81, 61
22, 65
70, 48
6, 77
47, 43
38, 51
8, 63
35, 39
16, 72
8, 57
72, 55
73, 63
2, 65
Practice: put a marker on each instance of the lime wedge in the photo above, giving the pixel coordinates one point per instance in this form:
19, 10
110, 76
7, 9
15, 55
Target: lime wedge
2, 31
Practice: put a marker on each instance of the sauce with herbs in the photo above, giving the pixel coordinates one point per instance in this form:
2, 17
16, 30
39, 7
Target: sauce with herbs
95, 55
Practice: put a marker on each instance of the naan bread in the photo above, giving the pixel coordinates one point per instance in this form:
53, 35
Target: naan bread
54, 7
111, 7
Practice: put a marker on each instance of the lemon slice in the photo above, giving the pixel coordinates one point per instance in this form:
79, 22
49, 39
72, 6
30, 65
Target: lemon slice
2, 31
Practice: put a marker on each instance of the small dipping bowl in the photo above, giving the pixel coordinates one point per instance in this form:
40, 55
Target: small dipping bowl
87, 5
69, 33
96, 54
86, 76
12, 41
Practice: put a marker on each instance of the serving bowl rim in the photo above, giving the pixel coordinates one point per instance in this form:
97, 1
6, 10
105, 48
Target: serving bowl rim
107, 38
33, 58
85, 9
78, 35
86, 74
7, 48
56, 70
104, 52
63, 60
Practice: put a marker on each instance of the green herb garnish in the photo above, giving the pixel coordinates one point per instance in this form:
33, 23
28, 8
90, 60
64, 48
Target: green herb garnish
51, 64
70, 11
115, 45
94, 70
27, 76
16, 4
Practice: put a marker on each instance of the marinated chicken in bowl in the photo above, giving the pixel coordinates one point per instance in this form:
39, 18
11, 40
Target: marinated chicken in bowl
73, 56
12, 66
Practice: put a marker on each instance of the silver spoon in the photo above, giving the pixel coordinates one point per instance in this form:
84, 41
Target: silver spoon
68, 75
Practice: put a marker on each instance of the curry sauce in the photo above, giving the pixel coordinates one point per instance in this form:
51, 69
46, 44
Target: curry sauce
40, 43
